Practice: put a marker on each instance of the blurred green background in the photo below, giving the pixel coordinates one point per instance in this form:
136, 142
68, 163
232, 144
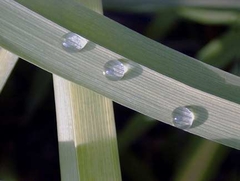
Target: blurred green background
149, 150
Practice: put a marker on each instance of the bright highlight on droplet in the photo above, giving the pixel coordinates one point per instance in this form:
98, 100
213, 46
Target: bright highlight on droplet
114, 70
73, 42
183, 117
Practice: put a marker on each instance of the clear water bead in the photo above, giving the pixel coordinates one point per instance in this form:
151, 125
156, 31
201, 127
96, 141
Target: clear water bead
73, 42
114, 70
183, 117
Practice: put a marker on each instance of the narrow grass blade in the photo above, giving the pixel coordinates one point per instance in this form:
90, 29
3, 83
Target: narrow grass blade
86, 129
7, 63
67, 149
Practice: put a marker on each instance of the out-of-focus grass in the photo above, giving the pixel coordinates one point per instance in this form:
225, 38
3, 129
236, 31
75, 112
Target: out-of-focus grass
201, 162
221, 51
162, 23
209, 16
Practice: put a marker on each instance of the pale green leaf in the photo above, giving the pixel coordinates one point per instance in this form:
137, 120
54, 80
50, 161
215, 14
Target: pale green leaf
160, 81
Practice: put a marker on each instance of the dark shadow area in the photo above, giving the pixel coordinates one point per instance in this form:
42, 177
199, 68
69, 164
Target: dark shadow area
200, 115
28, 132
89, 46
133, 71
68, 160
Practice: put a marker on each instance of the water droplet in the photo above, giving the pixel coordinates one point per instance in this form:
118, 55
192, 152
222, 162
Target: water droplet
73, 42
182, 117
114, 70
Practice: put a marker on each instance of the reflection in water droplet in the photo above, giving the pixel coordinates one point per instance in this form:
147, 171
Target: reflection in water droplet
114, 70
182, 117
73, 42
